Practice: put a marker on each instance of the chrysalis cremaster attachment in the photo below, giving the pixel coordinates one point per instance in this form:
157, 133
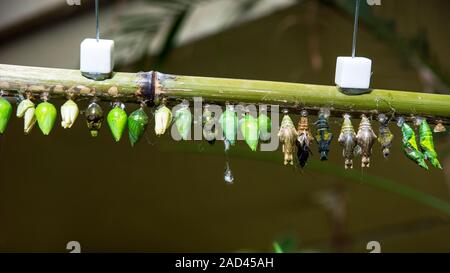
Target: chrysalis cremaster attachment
94, 118
323, 136
347, 139
385, 136
304, 139
427, 144
288, 137
365, 139
409, 144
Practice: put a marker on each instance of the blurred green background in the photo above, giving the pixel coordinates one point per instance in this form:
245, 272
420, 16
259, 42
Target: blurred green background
170, 196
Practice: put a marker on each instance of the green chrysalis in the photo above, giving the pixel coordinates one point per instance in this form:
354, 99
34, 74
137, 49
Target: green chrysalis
183, 119
46, 117
5, 114
410, 145
137, 123
117, 121
427, 144
229, 123
265, 127
250, 131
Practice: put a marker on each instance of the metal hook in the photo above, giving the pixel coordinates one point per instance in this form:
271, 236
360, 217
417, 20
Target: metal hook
355, 29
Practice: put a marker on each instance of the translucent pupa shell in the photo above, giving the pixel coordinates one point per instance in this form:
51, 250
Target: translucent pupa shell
304, 140
69, 113
347, 139
427, 144
385, 136
46, 117
26, 110
265, 127
365, 140
288, 137
209, 126
137, 123
163, 119
323, 136
117, 121
94, 118
5, 114
250, 131
409, 144
229, 123
183, 120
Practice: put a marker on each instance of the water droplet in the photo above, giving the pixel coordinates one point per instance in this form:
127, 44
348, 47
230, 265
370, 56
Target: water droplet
228, 175
227, 145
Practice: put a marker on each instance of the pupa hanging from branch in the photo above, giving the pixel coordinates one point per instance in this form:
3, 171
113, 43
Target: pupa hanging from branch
288, 137
229, 123
323, 134
409, 144
304, 139
385, 136
209, 125
365, 140
163, 118
94, 118
347, 139
265, 127
117, 120
250, 131
69, 113
427, 143
183, 120
137, 124
46, 115
26, 110
5, 114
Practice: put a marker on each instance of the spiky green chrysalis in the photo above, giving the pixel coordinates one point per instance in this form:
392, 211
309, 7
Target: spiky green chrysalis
229, 123
427, 144
5, 114
137, 123
46, 117
183, 119
117, 121
265, 127
410, 145
250, 131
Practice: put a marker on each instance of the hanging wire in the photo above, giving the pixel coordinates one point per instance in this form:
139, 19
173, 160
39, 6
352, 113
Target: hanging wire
97, 28
355, 29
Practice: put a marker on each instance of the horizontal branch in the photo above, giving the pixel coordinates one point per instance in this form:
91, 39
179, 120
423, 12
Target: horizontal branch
132, 87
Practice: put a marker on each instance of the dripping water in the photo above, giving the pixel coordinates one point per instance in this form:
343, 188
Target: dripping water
228, 174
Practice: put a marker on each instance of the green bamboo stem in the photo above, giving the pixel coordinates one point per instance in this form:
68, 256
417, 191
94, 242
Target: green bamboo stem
128, 87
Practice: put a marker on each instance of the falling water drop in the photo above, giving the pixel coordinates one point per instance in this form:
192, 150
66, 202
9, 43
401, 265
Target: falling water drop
228, 175
227, 145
